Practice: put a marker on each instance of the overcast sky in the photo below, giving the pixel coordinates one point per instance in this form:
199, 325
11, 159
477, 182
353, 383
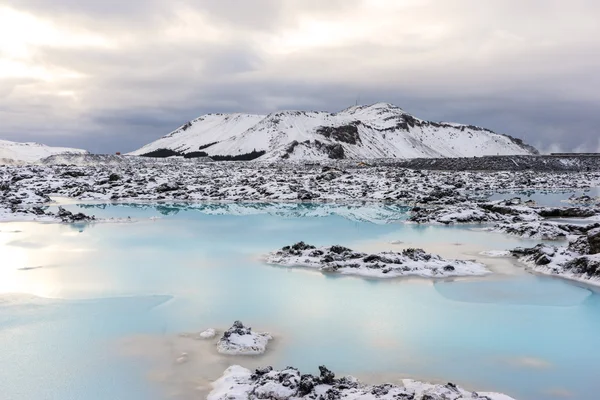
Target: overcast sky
112, 75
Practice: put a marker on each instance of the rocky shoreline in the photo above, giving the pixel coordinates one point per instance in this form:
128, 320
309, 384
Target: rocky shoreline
579, 260
238, 383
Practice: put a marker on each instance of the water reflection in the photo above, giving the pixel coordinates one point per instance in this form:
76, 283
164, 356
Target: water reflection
360, 211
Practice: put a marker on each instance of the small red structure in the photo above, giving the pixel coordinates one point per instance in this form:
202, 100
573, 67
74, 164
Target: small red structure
118, 153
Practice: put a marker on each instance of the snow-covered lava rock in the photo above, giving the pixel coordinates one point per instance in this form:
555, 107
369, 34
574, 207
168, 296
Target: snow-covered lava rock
241, 340
340, 259
238, 383
580, 260
437, 196
542, 230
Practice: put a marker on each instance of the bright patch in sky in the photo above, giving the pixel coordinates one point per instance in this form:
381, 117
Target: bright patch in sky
21, 34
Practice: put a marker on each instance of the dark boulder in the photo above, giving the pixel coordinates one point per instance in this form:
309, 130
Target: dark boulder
593, 238
327, 377
167, 187
114, 178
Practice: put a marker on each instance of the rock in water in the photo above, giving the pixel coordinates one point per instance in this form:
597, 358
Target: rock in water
240, 340
343, 260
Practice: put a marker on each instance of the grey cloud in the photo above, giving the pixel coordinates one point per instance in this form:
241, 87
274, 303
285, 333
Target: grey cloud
499, 67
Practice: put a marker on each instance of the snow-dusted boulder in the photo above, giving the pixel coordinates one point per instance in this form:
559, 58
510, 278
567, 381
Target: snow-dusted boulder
208, 334
415, 262
593, 238
238, 383
241, 340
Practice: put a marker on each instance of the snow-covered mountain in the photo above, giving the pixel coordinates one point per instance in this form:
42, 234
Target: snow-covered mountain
380, 130
24, 153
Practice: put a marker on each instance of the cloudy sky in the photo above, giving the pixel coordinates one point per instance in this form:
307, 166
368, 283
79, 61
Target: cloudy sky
112, 75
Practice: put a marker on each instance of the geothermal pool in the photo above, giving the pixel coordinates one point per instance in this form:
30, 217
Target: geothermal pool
94, 311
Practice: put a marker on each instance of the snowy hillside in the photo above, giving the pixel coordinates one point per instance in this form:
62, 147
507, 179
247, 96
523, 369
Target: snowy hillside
380, 130
23, 153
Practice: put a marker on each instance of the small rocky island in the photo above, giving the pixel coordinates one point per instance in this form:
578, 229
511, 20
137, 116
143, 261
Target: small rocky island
340, 259
240, 383
241, 340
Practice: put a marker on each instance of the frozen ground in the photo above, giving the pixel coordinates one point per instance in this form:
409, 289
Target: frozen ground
138, 180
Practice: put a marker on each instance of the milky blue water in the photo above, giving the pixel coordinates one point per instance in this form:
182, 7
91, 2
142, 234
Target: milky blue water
532, 337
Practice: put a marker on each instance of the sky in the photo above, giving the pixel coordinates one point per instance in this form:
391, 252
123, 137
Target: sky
113, 75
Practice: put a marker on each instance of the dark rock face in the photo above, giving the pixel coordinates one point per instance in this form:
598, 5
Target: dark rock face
584, 266
305, 195
581, 245
579, 262
68, 216
345, 133
297, 248
237, 328
438, 194
73, 174
569, 212
593, 238
539, 253
162, 153
167, 187
327, 377
114, 178
335, 151
253, 155
503, 163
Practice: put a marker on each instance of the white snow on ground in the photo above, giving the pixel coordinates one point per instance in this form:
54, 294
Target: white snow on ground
541, 230
208, 334
558, 267
24, 153
380, 130
411, 262
442, 195
579, 261
238, 383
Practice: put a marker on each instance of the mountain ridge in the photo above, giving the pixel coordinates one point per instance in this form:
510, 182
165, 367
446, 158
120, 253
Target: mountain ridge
30, 152
380, 130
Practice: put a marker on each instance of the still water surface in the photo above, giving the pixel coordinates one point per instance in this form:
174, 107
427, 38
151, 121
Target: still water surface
99, 286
